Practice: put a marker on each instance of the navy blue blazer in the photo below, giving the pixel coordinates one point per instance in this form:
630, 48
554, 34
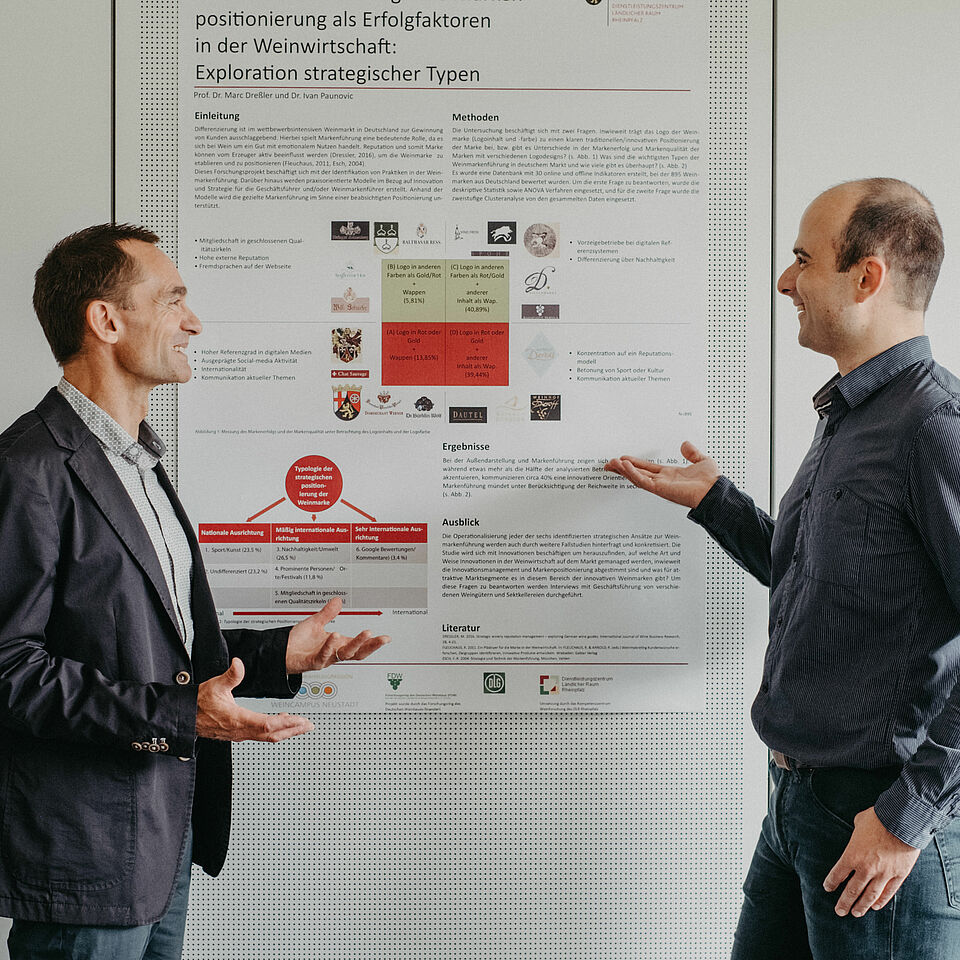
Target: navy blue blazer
100, 768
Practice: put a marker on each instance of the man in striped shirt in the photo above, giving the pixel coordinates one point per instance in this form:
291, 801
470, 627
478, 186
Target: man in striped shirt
859, 854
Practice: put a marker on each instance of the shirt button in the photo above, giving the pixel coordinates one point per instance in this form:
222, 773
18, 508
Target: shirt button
183, 678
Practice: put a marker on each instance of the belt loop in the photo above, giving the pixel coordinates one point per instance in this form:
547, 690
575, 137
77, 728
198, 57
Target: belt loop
781, 760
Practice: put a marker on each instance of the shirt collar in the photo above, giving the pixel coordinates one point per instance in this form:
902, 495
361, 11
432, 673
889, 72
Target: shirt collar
869, 377
144, 452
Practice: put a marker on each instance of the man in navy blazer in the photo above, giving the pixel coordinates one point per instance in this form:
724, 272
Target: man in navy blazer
116, 682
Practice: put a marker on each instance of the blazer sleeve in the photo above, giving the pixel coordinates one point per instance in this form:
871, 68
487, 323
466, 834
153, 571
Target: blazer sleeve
264, 655
53, 697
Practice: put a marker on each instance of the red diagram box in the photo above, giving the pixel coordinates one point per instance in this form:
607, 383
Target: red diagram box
445, 354
312, 533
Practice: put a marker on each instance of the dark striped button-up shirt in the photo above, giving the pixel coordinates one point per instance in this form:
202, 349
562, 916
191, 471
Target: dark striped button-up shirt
863, 565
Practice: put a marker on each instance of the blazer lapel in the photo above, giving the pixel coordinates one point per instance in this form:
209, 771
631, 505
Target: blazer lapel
91, 467
94, 471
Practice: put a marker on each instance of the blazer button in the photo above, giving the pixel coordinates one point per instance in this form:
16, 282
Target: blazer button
183, 678
136, 745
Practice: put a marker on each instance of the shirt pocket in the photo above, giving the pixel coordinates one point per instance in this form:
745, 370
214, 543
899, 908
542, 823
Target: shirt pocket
835, 535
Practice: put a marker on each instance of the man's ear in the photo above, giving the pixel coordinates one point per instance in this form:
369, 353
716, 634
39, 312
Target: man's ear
871, 274
102, 321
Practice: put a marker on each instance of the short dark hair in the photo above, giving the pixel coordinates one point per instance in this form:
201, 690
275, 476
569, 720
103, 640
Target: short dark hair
896, 221
88, 265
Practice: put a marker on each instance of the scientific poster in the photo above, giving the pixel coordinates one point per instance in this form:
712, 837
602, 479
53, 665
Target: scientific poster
450, 257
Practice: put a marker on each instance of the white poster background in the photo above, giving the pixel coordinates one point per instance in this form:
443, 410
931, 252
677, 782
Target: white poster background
543, 583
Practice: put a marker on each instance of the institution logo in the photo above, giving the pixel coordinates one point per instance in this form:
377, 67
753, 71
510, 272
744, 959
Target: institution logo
394, 679
540, 311
349, 303
468, 414
423, 406
349, 272
386, 235
421, 239
545, 406
540, 239
382, 402
347, 343
349, 229
549, 686
540, 354
510, 411
318, 691
346, 402
501, 231
494, 683
539, 280
461, 233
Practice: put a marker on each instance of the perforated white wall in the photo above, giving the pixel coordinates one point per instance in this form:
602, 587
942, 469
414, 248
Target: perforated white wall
517, 836
55, 97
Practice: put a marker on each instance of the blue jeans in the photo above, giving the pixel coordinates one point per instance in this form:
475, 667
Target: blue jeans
787, 915
162, 940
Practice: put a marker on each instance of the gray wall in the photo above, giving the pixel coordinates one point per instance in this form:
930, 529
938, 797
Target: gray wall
55, 165
864, 88
55, 155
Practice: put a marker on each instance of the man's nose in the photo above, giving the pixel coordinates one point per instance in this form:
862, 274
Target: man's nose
786, 283
192, 322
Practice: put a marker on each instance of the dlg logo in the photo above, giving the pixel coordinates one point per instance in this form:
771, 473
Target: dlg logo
494, 683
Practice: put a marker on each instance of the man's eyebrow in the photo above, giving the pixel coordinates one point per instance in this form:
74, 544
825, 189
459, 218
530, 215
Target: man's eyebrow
800, 252
177, 292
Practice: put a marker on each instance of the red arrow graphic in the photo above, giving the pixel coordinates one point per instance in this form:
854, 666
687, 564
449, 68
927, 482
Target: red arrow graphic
362, 514
265, 509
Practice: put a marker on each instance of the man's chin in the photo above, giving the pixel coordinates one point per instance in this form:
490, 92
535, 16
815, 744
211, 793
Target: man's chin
180, 376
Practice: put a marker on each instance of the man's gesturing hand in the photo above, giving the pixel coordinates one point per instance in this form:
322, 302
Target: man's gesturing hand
876, 863
220, 717
311, 647
684, 485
